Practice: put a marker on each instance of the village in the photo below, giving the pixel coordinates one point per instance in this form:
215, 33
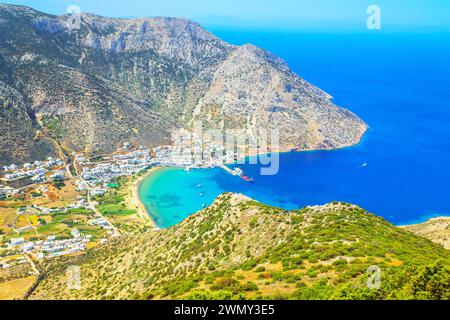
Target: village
27, 241
39, 171
87, 225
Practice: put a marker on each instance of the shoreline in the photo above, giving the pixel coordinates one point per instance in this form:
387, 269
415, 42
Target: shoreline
136, 200
294, 149
428, 220
144, 213
435, 229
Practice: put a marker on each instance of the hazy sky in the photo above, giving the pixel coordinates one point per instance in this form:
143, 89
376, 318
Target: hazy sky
311, 14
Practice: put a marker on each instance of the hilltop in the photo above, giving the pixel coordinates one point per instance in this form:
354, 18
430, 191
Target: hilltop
137, 80
241, 249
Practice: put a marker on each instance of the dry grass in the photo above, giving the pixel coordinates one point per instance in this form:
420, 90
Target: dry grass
266, 286
7, 216
68, 192
16, 289
22, 221
56, 198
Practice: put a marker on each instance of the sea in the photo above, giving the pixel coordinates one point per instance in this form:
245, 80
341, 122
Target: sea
398, 83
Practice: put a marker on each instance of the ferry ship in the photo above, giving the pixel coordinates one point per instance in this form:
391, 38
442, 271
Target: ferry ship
248, 179
238, 173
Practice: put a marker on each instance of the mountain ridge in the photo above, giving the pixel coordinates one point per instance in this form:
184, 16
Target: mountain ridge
137, 80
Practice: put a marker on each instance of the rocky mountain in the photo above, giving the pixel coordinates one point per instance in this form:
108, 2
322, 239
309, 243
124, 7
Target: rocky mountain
18, 129
241, 249
115, 80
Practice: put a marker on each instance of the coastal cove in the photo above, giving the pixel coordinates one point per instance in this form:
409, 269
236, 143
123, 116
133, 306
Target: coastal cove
306, 178
399, 171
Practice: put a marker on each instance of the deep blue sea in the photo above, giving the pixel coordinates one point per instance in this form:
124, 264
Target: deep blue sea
398, 83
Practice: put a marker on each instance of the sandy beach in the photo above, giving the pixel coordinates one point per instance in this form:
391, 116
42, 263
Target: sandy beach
136, 201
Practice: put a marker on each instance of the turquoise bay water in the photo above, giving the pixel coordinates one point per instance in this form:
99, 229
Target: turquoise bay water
398, 83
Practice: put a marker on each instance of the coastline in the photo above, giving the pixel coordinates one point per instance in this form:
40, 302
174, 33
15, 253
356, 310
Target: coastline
143, 212
429, 220
136, 200
436, 229
431, 225
289, 149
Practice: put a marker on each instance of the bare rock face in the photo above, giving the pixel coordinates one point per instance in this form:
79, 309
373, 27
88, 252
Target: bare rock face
254, 89
139, 79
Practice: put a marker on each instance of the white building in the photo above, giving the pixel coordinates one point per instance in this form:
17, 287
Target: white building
16, 242
75, 233
98, 192
26, 247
